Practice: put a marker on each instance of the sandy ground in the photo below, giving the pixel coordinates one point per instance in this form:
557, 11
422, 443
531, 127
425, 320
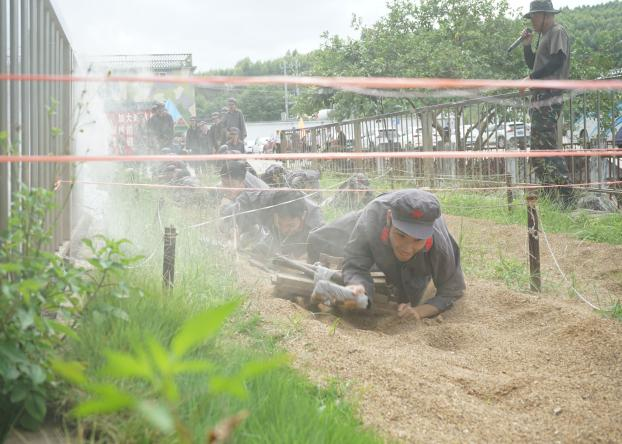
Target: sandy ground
500, 366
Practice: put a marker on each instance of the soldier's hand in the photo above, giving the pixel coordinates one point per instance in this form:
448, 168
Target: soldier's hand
527, 36
357, 289
407, 312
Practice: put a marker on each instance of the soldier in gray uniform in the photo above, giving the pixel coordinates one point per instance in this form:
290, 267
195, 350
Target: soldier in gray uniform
275, 221
551, 61
403, 235
235, 176
234, 118
217, 133
234, 142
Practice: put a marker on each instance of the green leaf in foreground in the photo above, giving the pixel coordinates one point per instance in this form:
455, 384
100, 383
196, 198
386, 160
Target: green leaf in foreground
158, 415
72, 371
235, 385
109, 400
122, 365
201, 328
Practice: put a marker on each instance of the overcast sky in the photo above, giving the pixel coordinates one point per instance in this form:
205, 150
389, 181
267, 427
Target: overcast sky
218, 33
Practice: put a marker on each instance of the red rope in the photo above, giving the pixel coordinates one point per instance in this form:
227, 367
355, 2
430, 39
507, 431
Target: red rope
332, 82
317, 156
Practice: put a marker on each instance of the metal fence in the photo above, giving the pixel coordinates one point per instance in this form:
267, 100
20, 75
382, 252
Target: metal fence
501, 122
35, 117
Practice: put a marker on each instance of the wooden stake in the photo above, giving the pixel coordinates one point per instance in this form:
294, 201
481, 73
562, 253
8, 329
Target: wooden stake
535, 282
168, 261
508, 181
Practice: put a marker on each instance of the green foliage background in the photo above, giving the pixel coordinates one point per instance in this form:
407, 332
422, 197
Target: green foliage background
429, 38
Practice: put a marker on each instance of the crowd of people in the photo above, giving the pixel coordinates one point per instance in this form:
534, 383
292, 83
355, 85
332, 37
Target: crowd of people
226, 127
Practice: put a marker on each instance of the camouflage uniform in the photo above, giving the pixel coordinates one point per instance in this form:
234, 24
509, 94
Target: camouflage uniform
549, 170
551, 61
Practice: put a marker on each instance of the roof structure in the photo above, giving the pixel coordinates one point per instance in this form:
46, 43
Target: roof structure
157, 63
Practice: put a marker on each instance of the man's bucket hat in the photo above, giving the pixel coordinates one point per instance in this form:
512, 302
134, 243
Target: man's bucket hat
541, 6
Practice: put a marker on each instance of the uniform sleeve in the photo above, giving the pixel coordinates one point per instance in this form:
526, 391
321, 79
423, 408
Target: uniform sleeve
359, 258
446, 270
559, 42
529, 56
252, 201
242, 126
554, 63
314, 218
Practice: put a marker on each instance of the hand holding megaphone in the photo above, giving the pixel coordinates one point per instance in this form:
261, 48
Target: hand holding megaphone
525, 39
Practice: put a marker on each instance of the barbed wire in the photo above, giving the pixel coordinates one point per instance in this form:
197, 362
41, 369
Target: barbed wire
562, 274
518, 187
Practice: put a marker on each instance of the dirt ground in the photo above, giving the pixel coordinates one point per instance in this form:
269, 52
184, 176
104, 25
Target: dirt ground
500, 366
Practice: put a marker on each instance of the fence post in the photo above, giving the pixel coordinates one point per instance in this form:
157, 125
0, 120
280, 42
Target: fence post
535, 282
428, 164
168, 261
4, 119
508, 181
358, 145
14, 125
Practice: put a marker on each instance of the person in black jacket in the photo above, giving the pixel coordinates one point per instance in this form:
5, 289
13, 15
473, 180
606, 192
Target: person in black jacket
161, 127
193, 137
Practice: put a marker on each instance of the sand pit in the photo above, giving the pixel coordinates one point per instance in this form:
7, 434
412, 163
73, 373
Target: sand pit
501, 366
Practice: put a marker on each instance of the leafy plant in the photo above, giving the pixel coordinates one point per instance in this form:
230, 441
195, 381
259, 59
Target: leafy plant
40, 294
159, 368
615, 312
512, 272
108, 261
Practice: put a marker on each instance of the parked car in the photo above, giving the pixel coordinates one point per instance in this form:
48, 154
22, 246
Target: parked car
386, 139
510, 134
261, 145
468, 136
586, 128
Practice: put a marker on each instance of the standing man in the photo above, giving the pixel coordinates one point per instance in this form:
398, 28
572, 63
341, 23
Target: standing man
193, 137
161, 127
403, 234
551, 61
339, 142
217, 134
234, 118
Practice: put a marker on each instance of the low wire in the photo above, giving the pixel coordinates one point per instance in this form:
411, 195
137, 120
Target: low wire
563, 275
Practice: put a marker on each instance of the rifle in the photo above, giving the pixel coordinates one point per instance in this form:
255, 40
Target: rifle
328, 286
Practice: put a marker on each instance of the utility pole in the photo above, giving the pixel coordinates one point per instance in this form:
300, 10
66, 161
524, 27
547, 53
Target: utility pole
285, 88
297, 66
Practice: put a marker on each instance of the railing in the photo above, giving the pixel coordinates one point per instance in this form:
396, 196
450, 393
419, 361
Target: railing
500, 122
35, 117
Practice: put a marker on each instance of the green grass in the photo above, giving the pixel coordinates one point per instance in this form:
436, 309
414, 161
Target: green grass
284, 406
493, 206
512, 272
581, 224
614, 312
